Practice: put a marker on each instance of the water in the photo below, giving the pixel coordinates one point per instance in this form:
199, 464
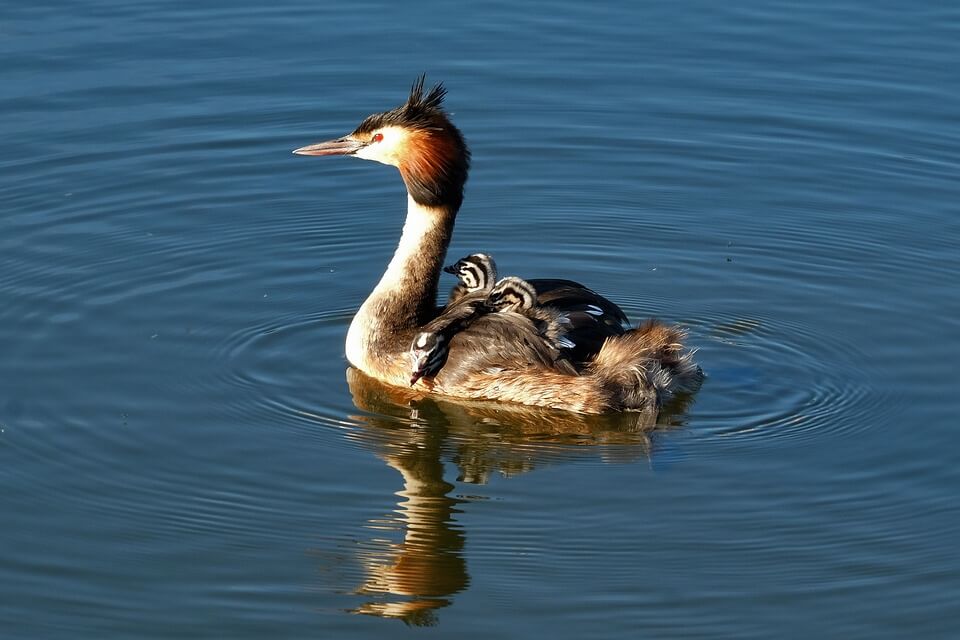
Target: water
182, 454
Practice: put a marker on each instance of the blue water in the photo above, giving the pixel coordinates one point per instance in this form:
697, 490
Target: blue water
183, 455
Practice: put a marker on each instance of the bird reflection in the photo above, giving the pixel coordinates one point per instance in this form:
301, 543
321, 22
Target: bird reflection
413, 433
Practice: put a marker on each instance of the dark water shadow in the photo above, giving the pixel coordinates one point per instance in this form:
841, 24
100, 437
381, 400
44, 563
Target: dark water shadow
412, 578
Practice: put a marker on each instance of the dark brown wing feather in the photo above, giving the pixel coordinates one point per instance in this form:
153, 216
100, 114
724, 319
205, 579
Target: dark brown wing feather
494, 337
593, 318
458, 315
568, 295
496, 342
458, 291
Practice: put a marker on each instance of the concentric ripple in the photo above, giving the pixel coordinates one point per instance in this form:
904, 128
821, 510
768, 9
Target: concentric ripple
766, 380
771, 379
289, 369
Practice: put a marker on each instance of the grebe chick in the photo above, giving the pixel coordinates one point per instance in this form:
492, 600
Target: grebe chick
427, 354
476, 272
430, 346
499, 356
513, 294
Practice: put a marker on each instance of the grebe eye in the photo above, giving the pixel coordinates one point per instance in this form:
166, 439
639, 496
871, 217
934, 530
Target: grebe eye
377, 137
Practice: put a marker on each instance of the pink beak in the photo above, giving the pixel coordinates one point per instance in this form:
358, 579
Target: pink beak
345, 146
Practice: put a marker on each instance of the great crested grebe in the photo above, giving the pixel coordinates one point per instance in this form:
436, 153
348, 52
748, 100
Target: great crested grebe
427, 355
495, 357
429, 350
475, 272
516, 295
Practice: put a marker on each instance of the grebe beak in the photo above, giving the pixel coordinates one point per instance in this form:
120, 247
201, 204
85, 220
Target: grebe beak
416, 376
451, 268
345, 146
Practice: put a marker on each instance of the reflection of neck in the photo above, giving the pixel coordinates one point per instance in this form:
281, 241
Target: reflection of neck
428, 511
428, 562
428, 565
404, 299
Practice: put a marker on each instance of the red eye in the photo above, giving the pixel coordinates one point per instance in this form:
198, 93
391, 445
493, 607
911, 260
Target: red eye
377, 137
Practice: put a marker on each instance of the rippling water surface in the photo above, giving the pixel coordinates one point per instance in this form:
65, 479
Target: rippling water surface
182, 453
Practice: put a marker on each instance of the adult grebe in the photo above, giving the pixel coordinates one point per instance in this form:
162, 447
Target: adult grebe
495, 357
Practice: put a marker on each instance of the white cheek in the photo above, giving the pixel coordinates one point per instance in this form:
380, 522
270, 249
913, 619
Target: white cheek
372, 152
386, 150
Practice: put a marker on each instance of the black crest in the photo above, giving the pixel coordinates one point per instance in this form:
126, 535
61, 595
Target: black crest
420, 111
419, 105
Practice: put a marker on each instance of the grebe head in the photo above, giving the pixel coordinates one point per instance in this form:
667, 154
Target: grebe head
419, 139
512, 294
476, 272
428, 352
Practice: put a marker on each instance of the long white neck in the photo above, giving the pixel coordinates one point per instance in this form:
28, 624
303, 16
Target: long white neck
405, 297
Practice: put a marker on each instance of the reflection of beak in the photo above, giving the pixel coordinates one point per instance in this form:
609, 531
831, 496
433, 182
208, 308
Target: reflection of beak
345, 146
